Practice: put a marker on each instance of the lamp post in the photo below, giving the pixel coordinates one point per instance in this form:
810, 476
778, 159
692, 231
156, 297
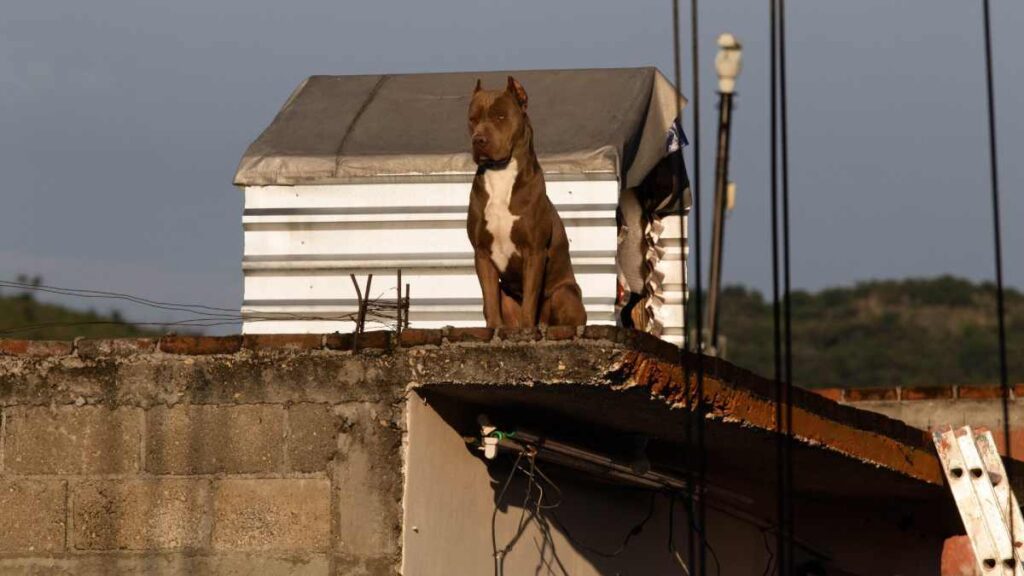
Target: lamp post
728, 64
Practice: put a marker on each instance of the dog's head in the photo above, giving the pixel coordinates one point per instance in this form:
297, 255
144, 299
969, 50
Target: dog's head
497, 121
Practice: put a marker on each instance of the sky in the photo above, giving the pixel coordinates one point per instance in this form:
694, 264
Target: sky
122, 123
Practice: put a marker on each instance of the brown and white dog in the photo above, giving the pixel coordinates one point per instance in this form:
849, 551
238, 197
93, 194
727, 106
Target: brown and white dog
519, 242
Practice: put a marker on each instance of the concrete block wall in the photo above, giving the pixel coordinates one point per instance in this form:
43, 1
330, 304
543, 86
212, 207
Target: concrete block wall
929, 407
237, 455
268, 455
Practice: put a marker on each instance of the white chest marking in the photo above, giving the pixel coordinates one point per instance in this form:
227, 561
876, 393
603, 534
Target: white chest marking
498, 184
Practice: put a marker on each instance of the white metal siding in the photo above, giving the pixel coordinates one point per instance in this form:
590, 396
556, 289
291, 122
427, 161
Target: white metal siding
302, 242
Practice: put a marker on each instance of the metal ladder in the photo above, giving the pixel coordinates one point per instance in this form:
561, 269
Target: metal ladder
987, 505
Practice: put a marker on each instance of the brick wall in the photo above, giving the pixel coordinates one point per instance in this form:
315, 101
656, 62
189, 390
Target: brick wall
257, 455
929, 407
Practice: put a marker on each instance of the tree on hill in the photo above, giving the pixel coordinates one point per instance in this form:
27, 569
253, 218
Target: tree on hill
938, 331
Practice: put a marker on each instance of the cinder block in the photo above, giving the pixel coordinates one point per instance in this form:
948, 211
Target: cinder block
72, 440
312, 437
168, 565
32, 516
207, 439
140, 514
368, 484
272, 514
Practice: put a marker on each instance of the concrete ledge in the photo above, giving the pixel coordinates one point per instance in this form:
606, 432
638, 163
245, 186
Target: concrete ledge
155, 564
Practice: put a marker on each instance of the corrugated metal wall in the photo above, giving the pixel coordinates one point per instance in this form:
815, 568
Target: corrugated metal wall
303, 242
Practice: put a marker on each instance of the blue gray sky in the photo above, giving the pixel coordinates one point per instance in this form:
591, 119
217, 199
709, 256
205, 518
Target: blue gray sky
122, 121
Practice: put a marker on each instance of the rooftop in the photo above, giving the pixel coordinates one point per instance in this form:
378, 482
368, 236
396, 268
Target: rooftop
603, 123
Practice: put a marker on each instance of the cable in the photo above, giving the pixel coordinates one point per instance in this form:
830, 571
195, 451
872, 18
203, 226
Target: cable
376, 309
499, 559
771, 557
786, 290
671, 535
997, 237
701, 519
780, 398
691, 545
84, 293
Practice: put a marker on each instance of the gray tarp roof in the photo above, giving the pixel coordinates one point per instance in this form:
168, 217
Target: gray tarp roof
412, 127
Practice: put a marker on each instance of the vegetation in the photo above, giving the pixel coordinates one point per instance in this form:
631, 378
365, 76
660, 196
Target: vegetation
22, 316
915, 332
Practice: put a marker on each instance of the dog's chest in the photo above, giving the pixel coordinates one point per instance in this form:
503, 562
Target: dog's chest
498, 218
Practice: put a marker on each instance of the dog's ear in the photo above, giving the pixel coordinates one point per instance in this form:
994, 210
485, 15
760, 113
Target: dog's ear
516, 89
478, 86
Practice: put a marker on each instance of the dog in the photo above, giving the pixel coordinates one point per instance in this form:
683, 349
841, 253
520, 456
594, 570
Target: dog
520, 248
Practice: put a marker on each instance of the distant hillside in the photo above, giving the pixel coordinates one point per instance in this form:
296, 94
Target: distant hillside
20, 311
937, 331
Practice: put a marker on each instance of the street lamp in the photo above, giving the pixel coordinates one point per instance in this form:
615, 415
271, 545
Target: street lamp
728, 64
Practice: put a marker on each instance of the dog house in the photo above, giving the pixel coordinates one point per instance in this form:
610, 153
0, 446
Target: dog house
361, 175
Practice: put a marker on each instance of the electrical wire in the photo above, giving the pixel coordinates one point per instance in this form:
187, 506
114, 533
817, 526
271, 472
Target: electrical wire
786, 292
998, 242
500, 558
701, 464
206, 316
771, 556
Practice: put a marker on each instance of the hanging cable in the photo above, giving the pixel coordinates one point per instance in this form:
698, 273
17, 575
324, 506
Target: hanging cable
700, 521
786, 292
689, 475
998, 242
783, 407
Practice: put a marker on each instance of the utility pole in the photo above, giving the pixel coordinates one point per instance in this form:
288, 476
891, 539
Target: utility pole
728, 63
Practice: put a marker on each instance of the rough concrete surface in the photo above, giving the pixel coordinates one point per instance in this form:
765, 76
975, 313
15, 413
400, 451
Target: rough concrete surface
284, 455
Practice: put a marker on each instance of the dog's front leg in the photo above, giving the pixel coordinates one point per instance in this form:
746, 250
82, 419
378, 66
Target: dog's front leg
491, 289
534, 263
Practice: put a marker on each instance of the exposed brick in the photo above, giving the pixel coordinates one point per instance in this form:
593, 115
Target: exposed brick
115, 347
519, 334
282, 341
958, 557
312, 437
338, 341
277, 514
559, 333
601, 332
979, 392
140, 514
835, 394
169, 564
1018, 391
870, 394
35, 347
374, 340
419, 337
206, 439
926, 393
459, 335
72, 440
32, 516
198, 345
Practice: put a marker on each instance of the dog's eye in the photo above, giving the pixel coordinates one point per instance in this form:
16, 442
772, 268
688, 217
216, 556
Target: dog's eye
501, 116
